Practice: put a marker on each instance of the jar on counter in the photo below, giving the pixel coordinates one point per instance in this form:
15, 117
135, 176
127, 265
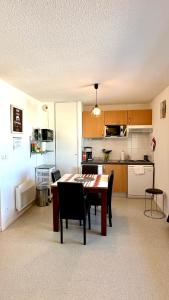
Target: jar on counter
33, 147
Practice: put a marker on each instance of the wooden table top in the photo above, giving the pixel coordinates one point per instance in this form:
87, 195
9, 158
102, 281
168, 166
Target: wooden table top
90, 181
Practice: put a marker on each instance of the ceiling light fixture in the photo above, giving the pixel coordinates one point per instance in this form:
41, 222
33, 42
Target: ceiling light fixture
96, 111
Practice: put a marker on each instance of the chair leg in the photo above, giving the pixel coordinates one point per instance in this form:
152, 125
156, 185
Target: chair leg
84, 231
110, 216
66, 223
61, 231
95, 210
80, 222
89, 221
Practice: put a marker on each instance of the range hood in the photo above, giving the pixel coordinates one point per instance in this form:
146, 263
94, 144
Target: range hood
139, 128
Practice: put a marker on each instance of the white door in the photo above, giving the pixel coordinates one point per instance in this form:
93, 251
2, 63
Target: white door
68, 136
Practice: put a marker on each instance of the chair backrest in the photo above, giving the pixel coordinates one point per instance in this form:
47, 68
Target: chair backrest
55, 175
110, 186
89, 169
71, 200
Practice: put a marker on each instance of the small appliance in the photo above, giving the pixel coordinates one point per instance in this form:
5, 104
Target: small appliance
88, 151
115, 131
44, 135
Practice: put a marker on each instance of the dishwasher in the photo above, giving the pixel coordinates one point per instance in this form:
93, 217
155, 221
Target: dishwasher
140, 177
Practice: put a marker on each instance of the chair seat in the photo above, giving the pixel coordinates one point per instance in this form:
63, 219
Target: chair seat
94, 198
154, 191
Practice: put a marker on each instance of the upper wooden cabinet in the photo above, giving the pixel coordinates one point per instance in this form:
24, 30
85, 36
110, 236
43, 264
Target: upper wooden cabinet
118, 117
140, 117
93, 127
120, 177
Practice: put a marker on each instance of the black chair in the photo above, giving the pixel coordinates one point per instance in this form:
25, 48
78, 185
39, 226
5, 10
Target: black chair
91, 169
95, 199
73, 205
55, 175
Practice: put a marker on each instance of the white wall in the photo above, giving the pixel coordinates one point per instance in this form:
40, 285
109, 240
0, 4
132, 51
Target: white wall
68, 136
16, 165
48, 121
135, 146
161, 154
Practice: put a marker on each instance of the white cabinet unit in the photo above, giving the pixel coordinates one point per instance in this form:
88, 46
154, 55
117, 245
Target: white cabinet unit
43, 174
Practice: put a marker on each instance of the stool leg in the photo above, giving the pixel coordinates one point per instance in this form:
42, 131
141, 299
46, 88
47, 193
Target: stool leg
163, 203
151, 204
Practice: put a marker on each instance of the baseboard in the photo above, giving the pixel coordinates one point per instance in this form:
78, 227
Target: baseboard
14, 219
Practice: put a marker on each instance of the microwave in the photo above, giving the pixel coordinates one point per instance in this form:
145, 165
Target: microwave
115, 130
44, 135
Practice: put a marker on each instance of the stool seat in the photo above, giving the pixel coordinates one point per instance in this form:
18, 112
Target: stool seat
154, 213
154, 191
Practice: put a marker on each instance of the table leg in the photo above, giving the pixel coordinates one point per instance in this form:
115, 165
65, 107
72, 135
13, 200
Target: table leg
104, 212
55, 209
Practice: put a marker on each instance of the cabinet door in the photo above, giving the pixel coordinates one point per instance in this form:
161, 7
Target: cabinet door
118, 117
93, 127
120, 177
140, 117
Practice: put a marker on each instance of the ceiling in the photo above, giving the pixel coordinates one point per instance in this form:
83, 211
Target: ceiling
53, 49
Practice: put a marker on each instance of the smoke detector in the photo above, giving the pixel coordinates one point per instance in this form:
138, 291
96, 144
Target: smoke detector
45, 107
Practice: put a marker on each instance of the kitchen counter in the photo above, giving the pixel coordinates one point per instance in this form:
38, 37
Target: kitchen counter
117, 162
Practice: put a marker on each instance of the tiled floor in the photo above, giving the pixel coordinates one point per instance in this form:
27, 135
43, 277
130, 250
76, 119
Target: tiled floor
132, 262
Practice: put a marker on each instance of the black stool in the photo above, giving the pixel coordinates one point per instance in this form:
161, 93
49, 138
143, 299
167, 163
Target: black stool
154, 213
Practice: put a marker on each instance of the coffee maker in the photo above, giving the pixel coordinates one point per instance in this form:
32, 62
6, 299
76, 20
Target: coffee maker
88, 151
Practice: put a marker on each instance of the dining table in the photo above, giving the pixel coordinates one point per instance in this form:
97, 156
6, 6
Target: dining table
92, 183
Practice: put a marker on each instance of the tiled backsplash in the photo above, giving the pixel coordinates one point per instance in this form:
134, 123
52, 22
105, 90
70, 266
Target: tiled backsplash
135, 146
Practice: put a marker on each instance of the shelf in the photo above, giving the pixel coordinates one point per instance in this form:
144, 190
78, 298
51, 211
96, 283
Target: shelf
41, 152
38, 145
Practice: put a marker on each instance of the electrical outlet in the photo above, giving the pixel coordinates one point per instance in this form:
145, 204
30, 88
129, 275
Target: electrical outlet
4, 156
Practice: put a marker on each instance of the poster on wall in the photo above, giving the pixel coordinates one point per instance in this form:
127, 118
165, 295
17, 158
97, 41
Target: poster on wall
17, 143
163, 109
16, 119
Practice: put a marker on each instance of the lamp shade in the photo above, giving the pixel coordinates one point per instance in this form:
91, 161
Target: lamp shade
96, 111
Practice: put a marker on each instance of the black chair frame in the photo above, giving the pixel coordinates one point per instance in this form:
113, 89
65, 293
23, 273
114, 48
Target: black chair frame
73, 205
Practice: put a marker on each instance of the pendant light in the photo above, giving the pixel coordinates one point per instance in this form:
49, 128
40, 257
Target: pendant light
96, 111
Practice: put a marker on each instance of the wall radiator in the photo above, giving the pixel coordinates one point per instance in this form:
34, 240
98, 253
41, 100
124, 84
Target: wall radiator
25, 194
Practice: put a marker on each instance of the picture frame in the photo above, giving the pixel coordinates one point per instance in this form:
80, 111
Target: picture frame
16, 119
163, 109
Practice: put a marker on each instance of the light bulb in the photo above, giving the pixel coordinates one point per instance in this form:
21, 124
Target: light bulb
96, 111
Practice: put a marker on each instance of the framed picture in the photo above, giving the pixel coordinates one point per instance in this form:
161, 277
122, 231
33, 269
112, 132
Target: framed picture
163, 109
16, 119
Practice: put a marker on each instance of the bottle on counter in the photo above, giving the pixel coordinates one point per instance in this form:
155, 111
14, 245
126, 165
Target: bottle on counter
122, 155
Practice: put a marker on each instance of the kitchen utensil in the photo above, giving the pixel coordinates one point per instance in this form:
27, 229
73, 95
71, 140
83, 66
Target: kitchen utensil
146, 158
